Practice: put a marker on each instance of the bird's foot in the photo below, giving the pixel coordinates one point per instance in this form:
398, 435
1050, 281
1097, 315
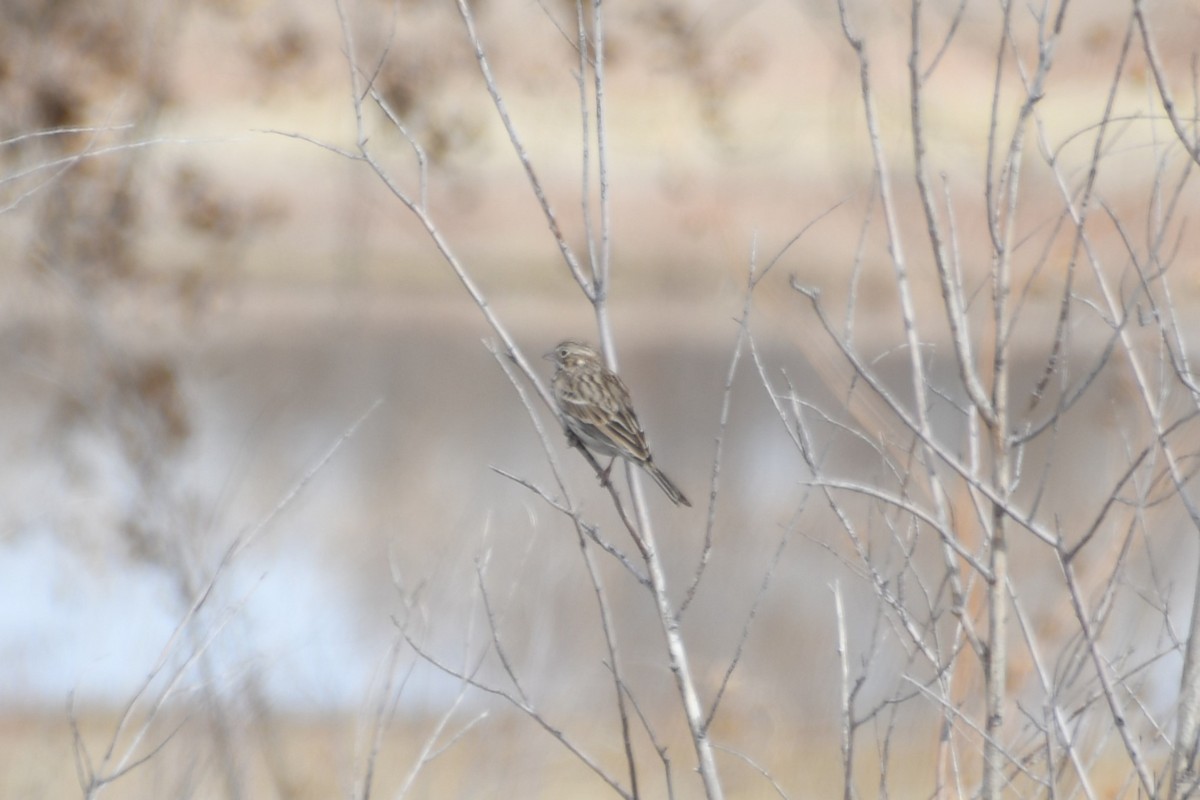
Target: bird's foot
604, 473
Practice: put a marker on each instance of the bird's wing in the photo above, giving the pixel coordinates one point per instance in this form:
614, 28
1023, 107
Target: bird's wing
623, 425
608, 414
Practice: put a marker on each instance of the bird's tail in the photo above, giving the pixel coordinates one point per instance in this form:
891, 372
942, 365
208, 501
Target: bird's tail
671, 489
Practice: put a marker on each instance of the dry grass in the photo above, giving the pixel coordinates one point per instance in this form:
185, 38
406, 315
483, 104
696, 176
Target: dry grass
310, 758
305, 758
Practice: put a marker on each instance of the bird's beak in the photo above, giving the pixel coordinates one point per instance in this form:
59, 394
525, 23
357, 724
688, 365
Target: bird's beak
548, 355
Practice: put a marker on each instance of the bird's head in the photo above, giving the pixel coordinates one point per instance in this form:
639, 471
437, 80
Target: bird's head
571, 353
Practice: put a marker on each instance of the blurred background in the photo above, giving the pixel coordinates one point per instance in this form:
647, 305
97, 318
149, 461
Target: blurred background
200, 303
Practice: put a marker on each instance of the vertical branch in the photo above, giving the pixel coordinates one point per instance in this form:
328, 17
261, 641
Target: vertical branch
847, 743
600, 271
584, 48
591, 55
996, 661
993, 411
1002, 223
677, 656
1185, 778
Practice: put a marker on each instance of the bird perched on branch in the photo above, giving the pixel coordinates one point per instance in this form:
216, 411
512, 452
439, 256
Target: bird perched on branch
596, 409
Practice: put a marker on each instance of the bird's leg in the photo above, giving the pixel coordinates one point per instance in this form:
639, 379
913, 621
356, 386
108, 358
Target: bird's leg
604, 473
